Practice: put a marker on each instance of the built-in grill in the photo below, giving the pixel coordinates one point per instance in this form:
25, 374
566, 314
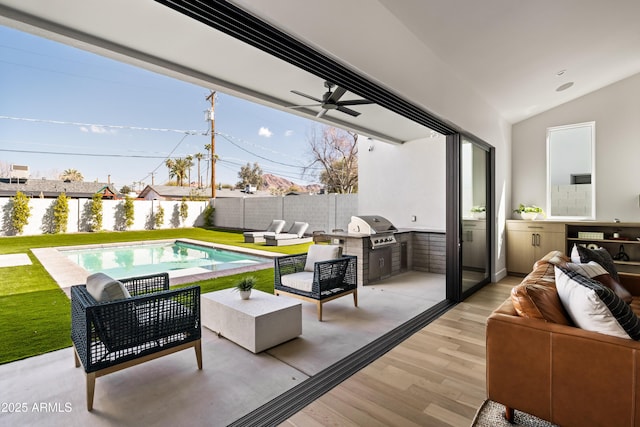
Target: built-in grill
379, 229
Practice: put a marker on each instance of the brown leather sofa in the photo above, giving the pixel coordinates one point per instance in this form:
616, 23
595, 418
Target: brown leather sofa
559, 372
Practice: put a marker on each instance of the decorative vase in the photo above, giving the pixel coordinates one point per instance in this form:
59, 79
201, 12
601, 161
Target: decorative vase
479, 215
245, 294
528, 215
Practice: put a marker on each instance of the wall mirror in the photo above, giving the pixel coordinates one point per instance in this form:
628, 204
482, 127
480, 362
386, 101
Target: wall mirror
571, 171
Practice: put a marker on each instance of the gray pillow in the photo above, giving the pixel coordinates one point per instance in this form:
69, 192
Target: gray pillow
104, 288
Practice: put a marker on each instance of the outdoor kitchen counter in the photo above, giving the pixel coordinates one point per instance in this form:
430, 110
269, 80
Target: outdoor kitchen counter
416, 248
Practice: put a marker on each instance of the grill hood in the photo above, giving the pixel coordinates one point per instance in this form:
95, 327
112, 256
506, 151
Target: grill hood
370, 225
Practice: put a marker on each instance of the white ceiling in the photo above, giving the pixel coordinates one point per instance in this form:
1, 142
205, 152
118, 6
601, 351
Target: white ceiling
507, 51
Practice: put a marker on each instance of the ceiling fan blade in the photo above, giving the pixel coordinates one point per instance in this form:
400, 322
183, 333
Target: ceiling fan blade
336, 95
307, 96
304, 106
348, 111
356, 102
321, 113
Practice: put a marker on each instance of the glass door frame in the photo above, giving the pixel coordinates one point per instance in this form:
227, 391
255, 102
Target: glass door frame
454, 290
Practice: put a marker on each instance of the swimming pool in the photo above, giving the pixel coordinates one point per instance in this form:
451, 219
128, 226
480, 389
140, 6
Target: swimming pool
151, 258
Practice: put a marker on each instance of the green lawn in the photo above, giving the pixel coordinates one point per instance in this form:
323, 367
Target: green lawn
34, 312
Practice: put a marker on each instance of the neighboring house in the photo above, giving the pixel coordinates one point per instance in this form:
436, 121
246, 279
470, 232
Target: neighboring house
172, 192
51, 189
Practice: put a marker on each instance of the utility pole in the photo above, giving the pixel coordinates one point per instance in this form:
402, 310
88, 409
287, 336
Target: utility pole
212, 97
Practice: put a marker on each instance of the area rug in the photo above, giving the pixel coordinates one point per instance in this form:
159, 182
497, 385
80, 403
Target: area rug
491, 414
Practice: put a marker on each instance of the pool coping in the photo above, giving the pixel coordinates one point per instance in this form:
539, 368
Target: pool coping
67, 273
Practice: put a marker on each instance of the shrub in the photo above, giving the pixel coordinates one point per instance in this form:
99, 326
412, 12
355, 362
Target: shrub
96, 212
208, 213
21, 212
184, 210
61, 214
158, 218
128, 212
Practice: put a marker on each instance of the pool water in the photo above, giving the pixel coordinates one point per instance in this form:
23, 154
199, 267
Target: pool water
139, 260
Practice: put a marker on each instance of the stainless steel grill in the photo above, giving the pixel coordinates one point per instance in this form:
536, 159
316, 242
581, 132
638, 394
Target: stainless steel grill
379, 229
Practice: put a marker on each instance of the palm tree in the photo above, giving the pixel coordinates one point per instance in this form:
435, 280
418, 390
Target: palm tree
208, 148
170, 164
71, 175
180, 169
199, 156
189, 165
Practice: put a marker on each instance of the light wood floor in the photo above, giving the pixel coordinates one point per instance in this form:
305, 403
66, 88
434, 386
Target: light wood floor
434, 378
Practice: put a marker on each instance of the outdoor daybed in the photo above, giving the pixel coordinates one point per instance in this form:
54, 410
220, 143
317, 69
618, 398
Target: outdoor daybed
540, 362
274, 228
118, 324
319, 276
294, 236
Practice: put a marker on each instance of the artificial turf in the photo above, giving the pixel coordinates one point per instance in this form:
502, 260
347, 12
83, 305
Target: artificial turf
35, 314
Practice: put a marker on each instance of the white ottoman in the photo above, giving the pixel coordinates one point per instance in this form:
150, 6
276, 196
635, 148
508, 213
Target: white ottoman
259, 323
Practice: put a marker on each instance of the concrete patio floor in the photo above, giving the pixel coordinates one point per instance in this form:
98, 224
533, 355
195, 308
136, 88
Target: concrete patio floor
49, 390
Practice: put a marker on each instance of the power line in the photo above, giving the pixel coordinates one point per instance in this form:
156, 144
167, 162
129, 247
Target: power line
96, 125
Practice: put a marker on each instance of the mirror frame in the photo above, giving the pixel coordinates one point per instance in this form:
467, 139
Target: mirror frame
550, 130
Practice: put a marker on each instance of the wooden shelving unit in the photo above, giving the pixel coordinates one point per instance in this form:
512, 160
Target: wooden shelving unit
628, 238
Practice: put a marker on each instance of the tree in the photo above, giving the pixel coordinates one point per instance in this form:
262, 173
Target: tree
188, 165
125, 189
250, 175
96, 212
128, 212
208, 148
336, 152
199, 157
184, 210
158, 218
61, 214
71, 175
20, 212
170, 164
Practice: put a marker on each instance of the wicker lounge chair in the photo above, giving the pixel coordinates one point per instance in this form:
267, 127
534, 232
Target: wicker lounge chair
131, 321
294, 236
318, 276
274, 228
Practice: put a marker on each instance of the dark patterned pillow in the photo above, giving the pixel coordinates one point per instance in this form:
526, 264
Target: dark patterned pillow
601, 256
594, 307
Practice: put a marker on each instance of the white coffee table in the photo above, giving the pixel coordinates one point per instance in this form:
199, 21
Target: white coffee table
259, 323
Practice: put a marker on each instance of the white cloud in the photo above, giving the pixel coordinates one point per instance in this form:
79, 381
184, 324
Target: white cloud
288, 133
265, 132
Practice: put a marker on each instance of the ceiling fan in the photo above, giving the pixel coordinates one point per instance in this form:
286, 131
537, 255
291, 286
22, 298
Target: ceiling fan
331, 101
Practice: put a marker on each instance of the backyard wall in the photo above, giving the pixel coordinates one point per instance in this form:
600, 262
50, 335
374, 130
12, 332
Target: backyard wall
40, 221
322, 211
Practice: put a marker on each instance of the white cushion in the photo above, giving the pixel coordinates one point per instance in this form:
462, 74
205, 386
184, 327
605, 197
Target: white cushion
298, 228
276, 226
282, 236
594, 307
302, 281
319, 253
104, 288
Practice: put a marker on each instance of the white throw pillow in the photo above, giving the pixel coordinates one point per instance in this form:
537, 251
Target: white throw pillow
594, 307
319, 253
104, 288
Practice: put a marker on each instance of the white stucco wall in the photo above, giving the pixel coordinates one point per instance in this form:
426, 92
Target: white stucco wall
616, 111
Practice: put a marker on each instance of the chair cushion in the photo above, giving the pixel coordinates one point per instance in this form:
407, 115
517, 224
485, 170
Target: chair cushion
319, 253
104, 288
303, 281
298, 228
595, 271
594, 307
537, 301
276, 226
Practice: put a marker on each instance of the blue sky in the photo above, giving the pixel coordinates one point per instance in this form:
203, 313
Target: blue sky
53, 99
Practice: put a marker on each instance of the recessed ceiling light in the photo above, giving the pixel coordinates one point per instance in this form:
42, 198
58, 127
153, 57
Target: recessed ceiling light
564, 87
561, 72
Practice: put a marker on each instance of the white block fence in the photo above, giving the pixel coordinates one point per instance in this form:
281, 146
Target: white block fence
41, 219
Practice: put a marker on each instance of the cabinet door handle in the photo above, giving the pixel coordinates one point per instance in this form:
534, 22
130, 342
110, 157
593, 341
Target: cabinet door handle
533, 239
537, 239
